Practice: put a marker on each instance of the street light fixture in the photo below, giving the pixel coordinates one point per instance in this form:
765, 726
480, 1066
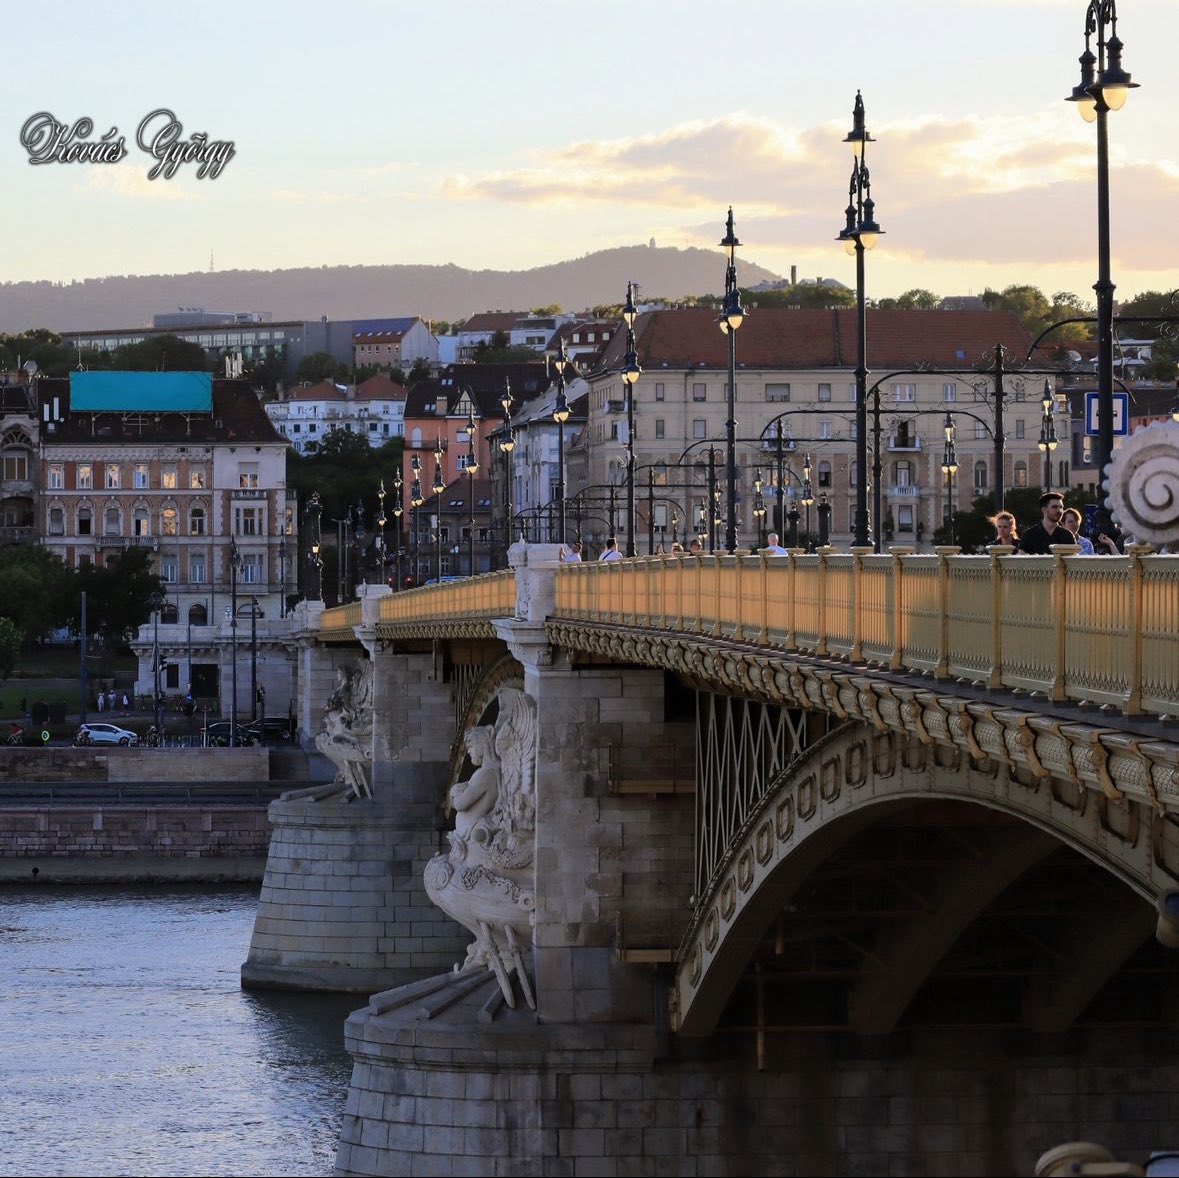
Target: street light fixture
860, 234
1104, 86
382, 520
560, 416
416, 499
507, 444
315, 560
949, 469
472, 470
808, 495
157, 603
731, 317
235, 562
1048, 440
438, 487
759, 507
630, 375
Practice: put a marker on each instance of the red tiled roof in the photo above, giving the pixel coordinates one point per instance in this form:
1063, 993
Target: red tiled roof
324, 391
799, 339
381, 387
493, 321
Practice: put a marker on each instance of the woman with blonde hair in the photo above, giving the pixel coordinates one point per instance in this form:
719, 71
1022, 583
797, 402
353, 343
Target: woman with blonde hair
1006, 531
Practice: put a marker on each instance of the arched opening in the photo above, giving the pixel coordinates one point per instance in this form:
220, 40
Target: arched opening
198, 615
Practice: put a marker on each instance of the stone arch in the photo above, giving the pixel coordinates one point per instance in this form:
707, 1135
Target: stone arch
848, 781
505, 671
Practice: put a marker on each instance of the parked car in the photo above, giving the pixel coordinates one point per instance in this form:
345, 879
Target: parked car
99, 733
217, 734
272, 730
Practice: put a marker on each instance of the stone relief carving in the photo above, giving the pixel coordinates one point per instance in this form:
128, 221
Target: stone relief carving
348, 727
485, 881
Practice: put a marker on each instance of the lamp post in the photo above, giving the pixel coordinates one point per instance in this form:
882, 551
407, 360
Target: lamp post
630, 375
1104, 86
759, 508
860, 234
808, 495
282, 573
157, 603
253, 658
398, 512
416, 499
731, 317
314, 559
235, 561
560, 416
381, 522
949, 469
506, 446
472, 469
1048, 440
438, 488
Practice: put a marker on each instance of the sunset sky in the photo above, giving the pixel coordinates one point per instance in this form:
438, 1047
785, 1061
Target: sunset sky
514, 134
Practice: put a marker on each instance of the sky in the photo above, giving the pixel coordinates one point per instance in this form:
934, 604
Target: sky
517, 133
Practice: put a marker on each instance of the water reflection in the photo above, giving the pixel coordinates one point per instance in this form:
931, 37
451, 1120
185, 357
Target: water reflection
129, 1046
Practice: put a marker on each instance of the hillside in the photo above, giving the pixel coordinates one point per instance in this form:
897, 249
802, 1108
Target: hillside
356, 292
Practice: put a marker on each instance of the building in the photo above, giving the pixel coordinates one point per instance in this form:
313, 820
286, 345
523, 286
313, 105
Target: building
796, 375
400, 345
374, 409
188, 467
19, 477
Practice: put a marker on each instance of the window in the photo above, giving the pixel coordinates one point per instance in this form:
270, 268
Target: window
1021, 474
56, 476
777, 392
168, 572
168, 478
196, 568
288, 521
247, 521
247, 476
57, 521
85, 522
168, 522
700, 392
251, 570
699, 428
660, 392
904, 392
141, 477
904, 474
980, 476
824, 429
980, 429
659, 427
111, 524
142, 522
196, 521
824, 392
196, 477
949, 391
1019, 427
824, 474
851, 393
85, 476
853, 473
904, 518
16, 465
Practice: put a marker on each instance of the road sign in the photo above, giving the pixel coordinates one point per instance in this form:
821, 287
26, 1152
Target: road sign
1121, 414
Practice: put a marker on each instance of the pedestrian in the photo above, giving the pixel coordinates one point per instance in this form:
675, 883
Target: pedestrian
773, 548
1037, 539
610, 552
126, 703
1006, 531
572, 554
101, 697
110, 701
1072, 520
677, 549
695, 548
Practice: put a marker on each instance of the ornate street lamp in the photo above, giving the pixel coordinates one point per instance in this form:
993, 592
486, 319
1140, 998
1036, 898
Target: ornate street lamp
630, 375
381, 522
314, 559
731, 317
560, 416
235, 562
507, 444
416, 499
759, 507
1104, 86
438, 487
157, 603
398, 512
472, 470
808, 495
860, 234
1048, 440
949, 469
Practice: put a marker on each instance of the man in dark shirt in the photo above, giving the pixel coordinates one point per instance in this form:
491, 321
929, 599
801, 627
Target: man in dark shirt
1049, 530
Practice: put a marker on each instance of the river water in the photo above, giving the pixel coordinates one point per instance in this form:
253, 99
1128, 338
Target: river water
128, 1047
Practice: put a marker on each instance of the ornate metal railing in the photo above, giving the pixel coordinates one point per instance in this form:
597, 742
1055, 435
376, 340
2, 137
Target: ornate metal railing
492, 595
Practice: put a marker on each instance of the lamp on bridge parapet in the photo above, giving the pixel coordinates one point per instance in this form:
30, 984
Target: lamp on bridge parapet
630, 376
235, 562
416, 499
808, 495
731, 317
561, 416
472, 470
507, 444
157, 603
949, 469
314, 555
1048, 441
1104, 86
860, 234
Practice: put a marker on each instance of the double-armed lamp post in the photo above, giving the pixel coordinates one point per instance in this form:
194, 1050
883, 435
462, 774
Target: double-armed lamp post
472, 470
859, 234
1104, 86
731, 317
630, 376
1048, 440
507, 444
560, 416
949, 469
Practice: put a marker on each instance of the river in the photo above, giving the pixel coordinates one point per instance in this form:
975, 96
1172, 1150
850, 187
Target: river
128, 1047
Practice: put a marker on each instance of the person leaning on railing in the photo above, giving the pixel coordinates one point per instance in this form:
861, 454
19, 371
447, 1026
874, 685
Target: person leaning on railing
1006, 531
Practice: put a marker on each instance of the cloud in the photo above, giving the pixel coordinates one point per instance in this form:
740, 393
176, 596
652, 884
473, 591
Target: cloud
127, 180
317, 196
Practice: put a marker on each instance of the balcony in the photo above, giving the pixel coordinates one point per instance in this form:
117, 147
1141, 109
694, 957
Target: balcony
904, 491
905, 442
615, 406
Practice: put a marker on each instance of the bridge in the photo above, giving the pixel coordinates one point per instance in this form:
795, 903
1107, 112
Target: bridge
854, 857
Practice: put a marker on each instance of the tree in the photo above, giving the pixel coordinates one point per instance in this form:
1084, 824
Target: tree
343, 470
118, 597
161, 353
811, 295
321, 366
37, 590
912, 300
419, 371
550, 309
12, 638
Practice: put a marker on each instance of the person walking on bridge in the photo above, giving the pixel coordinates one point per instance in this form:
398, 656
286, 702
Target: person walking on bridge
1038, 538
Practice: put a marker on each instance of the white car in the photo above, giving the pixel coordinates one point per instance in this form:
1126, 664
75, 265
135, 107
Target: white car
106, 734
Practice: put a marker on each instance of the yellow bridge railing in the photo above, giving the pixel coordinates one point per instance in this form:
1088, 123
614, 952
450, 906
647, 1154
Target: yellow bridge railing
1103, 630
